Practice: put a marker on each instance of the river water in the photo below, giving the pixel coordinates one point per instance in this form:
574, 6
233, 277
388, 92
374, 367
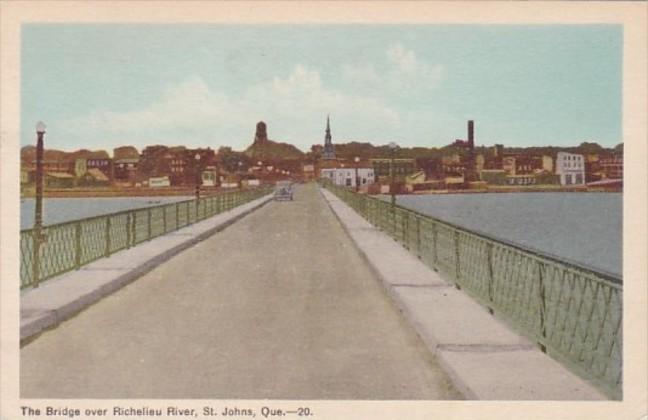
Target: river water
583, 227
58, 210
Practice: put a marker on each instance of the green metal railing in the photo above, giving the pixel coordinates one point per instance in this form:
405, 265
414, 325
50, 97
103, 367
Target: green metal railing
70, 245
573, 312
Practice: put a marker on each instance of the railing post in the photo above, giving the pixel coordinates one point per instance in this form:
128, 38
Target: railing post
405, 229
457, 265
489, 256
418, 237
197, 202
435, 253
128, 230
164, 218
134, 228
107, 250
177, 215
150, 227
77, 245
543, 307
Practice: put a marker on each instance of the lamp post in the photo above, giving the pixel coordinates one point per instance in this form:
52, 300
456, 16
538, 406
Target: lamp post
38, 213
392, 148
240, 169
197, 159
357, 179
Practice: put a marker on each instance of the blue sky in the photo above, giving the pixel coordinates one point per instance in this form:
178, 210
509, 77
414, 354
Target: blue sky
103, 86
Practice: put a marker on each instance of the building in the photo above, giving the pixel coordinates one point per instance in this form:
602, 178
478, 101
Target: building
209, 176
346, 176
469, 165
93, 177
571, 168
493, 176
432, 167
182, 167
329, 150
402, 167
98, 160
418, 181
611, 166
547, 163
308, 169
519, 164
521, 179
480, 162
58, 180
161, 181
125, 163
179, 165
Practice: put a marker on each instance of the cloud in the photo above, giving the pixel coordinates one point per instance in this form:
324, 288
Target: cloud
403, 59
361, 73
191, 113
403, 73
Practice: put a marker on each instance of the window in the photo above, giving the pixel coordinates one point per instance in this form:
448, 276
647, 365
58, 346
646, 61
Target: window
348, 182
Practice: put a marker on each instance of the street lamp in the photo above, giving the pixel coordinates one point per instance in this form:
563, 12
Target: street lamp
38, 213
392, 148
357, 179
198, 181
197, 158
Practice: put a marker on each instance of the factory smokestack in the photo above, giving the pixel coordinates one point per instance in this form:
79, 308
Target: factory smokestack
471, 139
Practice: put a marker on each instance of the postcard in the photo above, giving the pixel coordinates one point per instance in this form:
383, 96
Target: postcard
327, 210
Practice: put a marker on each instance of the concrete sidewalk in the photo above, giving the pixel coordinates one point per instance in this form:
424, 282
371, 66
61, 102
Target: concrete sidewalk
62, 297
483, 357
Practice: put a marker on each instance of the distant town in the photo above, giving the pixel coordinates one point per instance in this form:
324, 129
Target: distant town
460, 166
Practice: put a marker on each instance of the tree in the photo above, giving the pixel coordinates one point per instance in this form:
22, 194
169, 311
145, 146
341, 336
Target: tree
589, 148
232, 161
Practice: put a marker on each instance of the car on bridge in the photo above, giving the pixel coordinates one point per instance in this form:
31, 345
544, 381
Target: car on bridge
284, 191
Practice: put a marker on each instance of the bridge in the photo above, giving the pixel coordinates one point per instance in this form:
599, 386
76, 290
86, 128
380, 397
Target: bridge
334, 295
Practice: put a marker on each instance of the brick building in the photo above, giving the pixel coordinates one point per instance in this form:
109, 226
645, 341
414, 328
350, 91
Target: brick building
125, 163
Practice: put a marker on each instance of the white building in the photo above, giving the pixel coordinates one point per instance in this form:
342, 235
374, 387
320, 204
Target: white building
347, 176
161, 181
571, 168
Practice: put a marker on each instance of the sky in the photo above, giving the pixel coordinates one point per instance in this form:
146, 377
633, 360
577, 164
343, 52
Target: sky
100, 86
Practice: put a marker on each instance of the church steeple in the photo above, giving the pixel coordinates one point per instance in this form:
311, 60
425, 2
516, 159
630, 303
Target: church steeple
329, 151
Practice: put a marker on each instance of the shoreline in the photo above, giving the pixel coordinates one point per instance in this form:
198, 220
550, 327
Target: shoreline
191, 191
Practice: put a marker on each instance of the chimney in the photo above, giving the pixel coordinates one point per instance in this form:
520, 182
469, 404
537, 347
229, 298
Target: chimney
471, 140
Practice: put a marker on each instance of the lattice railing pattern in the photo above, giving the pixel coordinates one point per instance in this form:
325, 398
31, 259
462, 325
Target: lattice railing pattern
67, 246
573, 312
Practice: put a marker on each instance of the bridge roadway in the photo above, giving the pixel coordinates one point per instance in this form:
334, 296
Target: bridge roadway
279, 305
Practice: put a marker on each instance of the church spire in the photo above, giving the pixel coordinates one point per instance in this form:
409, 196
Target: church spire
329, 152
